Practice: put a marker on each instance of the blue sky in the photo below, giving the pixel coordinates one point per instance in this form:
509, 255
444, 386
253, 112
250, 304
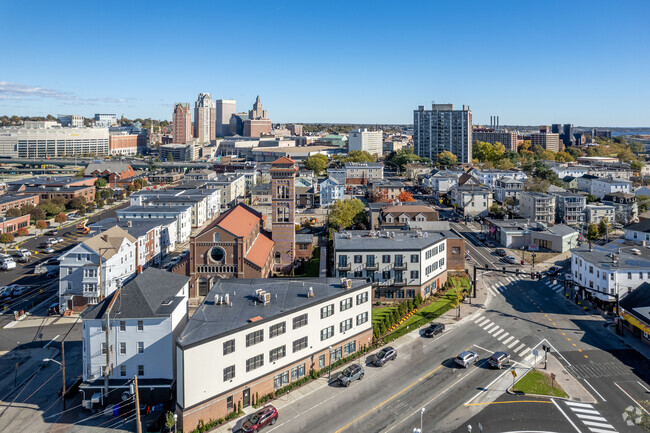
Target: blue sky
580, 62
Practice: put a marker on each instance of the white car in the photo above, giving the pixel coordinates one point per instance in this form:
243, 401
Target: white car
48, 250
8, 265
24, 253
4, 257
53, 240
510, 259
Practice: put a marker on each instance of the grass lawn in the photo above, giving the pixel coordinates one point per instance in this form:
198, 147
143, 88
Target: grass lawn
537, 382
312, 268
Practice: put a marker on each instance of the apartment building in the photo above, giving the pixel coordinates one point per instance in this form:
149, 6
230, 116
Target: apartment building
472, 200
601, 187
443, 129
369, 141
547, 140
331, 191
488, 177
182, 216
537, 207
505, 188
507, 138
182, 124
595, 213
625, 207
264, 335
570, 207
360, 173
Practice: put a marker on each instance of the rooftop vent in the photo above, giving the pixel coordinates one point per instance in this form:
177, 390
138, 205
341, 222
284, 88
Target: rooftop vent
255, 319
346, 283
310, 292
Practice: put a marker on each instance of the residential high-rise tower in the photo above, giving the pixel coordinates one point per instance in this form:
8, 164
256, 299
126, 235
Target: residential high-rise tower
205, 118
182, 130
443, 129
225, 109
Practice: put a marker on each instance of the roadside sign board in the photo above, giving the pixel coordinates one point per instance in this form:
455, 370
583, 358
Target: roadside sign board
535, 352
514, 373
553, 376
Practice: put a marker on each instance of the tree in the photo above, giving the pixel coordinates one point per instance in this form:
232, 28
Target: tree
77, 203
591, 198
642, 202
574, 152
14, 212
602, 227
37, 214
50, 208
379, 195
23, 231
41, 225
497, 210
61, 218
404, 156
405, 196
100, 204
636, 165
6, 238
106, 193
504, 164
344, 212
592, 232
447, 159
79, 174
563, 156
100, 182
317, 163
170, 157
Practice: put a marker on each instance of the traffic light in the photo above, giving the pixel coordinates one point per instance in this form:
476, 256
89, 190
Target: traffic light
532, 275
504, 270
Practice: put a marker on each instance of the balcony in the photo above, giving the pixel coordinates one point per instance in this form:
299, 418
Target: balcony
399, 283
372, 266
400, 266
344, 266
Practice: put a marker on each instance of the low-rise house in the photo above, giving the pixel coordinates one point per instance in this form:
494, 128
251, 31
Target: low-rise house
181, 214
304, 246
112, 171
140, 321
388, 189
601, 187
570, 182
575, 171
414, 171
440, 183
537, 207
627, 210
202, 174
595, 213
400, 264
95, 268
232, 186
506, 188
638, 232
518, 233
331, 191
585, 183
400, 214
361, 173
265, 334
472, 200
488, 177
261, 194
304, 197
570, 207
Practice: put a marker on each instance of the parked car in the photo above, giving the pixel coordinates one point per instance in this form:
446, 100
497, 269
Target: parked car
490, 244
386, 354
434, 329
5, 293
8, 265
481, 236
500, 252
18, 291
510, 259
53, 309
51, 233
4, 257
464, 359
499, 359
71, 387
46, 245
553, 270
352, 372
48, 250
568, 276
23, 253
268, 415
59, 240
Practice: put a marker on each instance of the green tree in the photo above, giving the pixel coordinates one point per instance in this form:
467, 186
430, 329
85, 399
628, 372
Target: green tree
344, 213
50, 208
497, 210
591, 198
592, 232
170, 157
6, 238
79, 174
14, 212
504, 164
642, 202
106, 193
77, 203
563, 156
100, 182
317, 163
602, 227
446, 159
404, 156
574, 152
636, 165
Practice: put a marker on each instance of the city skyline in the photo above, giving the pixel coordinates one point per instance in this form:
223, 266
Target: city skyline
557, 65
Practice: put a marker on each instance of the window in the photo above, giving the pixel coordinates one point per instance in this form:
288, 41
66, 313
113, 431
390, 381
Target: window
385, 275
350, 348
346, 325
217, 254
122, 326
346, 304
277, 329
321, 361
343, 274
385, 258
140, 370
327, 333
228, 347
299, 321
140, 325
591, 269
362, 297
370, 260
410, 293
103, 348
122, 348
254, 362
277, 353
377, 293
88, 272
336, 354
389, 294
399, 260
254, 338
228, 373
229, 405
358, 274
300, 344
442, 247
122, 370
326, 311
441, 262
399, 293
629, 275
140, 346
415, 258
399, 276
343, 260
415, 275
297, 372
362, 318
358, 259
281, 380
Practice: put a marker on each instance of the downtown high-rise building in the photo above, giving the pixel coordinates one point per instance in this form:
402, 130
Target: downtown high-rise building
443, 129
182, 120
225, 109
205, 118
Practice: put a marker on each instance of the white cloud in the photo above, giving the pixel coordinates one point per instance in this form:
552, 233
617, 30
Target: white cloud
17, 92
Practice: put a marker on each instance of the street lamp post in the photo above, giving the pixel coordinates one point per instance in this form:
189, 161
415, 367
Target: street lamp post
175, 421
329, 373
533, 255
421, 415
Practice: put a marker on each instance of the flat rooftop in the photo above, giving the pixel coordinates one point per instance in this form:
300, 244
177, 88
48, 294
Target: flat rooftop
404, 240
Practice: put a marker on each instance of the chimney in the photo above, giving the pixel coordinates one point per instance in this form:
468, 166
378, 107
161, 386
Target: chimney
105, 238
129, 223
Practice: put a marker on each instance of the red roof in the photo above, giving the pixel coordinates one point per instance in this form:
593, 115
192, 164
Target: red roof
239, 221
260, 251
283, 160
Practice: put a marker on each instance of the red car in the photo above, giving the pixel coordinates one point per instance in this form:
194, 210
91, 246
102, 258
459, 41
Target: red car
267, 415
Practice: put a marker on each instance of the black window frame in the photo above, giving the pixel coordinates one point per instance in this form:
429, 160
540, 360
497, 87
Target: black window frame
277, 329
300, 321
277, 353
255, 337
300, 344
229, 373
254, 363
327, 311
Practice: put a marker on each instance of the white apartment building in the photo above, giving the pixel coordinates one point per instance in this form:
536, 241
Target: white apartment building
440, 184
572, 170
232, 186
537, 207
145, 317
181, 214
489, 177
95, 268
49, 139
363, 170
473, 200
400, 264
600, 187
507, 188
363, 139
263, 335
595, 213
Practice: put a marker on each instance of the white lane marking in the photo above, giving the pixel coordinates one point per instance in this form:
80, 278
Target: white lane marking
508, 340
641, 385
631, 398
556, 351
491, 326
598, 424
486, 388
499, 330
566, 416
503, 336
486, 324
591, 411
601, 397
573, 403
592, 417
520, 347
512, 344
599, 430
524, 352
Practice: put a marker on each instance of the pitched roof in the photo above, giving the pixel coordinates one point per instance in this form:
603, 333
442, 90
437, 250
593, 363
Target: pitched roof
260, 251
641, 226
112, 166
284, 160
399, 209
109, 242
151, 294
239, 220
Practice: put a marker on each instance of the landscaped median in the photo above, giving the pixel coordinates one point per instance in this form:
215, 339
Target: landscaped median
536, 382
394, 321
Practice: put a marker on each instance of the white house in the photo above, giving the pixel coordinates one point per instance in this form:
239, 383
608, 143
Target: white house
182, 215
250, 337
331, 191
473, 200
145, 317
488, 177
82, 281
595, 213
639, 232
573, 170
600, 187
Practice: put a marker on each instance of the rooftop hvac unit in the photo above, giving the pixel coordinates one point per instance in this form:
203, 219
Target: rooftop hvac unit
267, 298
226, 298
310, 292
346, 283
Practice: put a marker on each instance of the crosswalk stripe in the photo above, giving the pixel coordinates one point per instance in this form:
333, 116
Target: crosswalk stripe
548, 283
525, 351
502, 336
575, 404
520, 347
509, 339
477, 316
497, 333
489, 326
599, 430
494, 292
592, 418
578, 409
557, 286
502, 288
597, 424
512, 344
529, 357
493, 330
480, 320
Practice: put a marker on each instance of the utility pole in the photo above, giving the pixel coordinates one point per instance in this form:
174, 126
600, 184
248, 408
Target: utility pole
137, 406
107, 368
63, 367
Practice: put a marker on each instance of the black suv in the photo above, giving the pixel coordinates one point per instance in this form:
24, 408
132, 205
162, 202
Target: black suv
500, 252
386, 354
434, 329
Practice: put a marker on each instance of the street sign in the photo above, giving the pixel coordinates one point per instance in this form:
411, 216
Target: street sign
553, 376
514, 373
535, 352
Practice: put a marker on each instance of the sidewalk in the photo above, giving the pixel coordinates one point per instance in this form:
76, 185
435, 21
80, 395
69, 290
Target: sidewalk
29, 362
